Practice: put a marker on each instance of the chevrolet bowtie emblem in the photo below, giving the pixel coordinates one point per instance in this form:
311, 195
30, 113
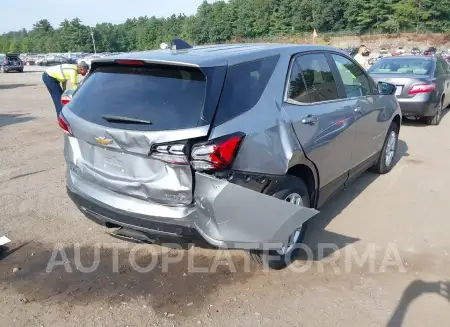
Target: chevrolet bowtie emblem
103, 140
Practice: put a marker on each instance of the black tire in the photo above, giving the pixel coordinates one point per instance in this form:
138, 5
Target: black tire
272, 258
381, 167
436, 119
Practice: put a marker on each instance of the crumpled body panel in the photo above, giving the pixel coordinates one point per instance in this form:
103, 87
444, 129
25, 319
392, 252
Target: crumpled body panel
224, 214
238, 216
124, 166
129, 174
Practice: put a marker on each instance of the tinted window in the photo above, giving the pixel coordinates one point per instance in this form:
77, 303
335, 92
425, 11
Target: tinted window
244, 85
403, 66
446, 66
297, 86
356, 83
439, 69
442, 67
14, 58
170, 97
319, 80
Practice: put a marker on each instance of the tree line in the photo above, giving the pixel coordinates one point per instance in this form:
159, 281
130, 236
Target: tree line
223, 21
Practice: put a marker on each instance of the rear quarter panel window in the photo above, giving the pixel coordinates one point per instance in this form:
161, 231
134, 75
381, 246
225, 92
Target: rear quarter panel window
243, 87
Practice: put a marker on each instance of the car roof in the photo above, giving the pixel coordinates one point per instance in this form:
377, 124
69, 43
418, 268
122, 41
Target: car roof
218, 55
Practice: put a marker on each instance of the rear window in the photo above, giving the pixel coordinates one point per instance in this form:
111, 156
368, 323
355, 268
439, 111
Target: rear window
244, 85
167, 96
403, 66
9, 57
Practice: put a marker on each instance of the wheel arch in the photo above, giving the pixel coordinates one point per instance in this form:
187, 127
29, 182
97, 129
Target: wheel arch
398, 120
306, 171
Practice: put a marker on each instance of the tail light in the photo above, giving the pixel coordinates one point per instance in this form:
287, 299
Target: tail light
62, 122
422, 88
65, 99
173, 153
216, 154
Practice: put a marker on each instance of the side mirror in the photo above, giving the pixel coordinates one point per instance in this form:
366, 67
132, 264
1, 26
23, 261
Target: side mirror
386, 88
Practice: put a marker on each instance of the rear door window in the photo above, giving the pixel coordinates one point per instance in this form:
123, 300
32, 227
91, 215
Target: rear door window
244, 85
169, 97
318, 83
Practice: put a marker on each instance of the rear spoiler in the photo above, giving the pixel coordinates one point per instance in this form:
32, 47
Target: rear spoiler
175, 45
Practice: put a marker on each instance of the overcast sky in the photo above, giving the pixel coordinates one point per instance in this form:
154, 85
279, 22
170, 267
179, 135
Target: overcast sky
16, 15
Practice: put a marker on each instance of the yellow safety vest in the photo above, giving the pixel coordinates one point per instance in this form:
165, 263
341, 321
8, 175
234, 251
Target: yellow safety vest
63, 73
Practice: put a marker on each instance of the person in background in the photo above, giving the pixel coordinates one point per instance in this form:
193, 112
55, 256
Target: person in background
54, 76
362, 56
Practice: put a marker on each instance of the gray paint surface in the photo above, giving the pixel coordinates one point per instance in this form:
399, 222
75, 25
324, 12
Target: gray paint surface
230, 212
123, 176
225, 214
215, 55
124, 166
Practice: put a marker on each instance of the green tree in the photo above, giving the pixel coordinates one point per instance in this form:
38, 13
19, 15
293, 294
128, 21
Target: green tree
222, 21
14, 46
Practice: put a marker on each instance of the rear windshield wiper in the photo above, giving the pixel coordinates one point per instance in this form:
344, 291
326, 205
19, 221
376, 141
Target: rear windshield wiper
126, 120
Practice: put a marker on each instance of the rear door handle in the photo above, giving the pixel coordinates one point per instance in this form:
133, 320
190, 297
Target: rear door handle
309, 120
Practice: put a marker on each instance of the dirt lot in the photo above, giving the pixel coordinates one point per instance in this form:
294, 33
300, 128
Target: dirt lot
403, 217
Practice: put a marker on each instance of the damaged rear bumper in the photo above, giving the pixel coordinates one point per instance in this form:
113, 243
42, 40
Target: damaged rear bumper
224, 214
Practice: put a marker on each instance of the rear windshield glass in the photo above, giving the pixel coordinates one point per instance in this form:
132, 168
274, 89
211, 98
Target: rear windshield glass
169, 97
12, 57
403, 66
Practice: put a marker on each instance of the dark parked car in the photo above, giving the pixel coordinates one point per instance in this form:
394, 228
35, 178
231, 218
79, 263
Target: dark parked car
10, 62
55, 60
423, 84
235, 144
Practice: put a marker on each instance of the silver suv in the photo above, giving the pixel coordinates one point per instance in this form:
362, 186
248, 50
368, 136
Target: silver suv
237, 144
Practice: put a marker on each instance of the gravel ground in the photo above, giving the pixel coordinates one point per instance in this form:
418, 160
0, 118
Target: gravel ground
400, 221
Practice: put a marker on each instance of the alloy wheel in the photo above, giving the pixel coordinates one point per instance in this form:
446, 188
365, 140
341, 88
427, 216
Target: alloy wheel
390, 148
287, 247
